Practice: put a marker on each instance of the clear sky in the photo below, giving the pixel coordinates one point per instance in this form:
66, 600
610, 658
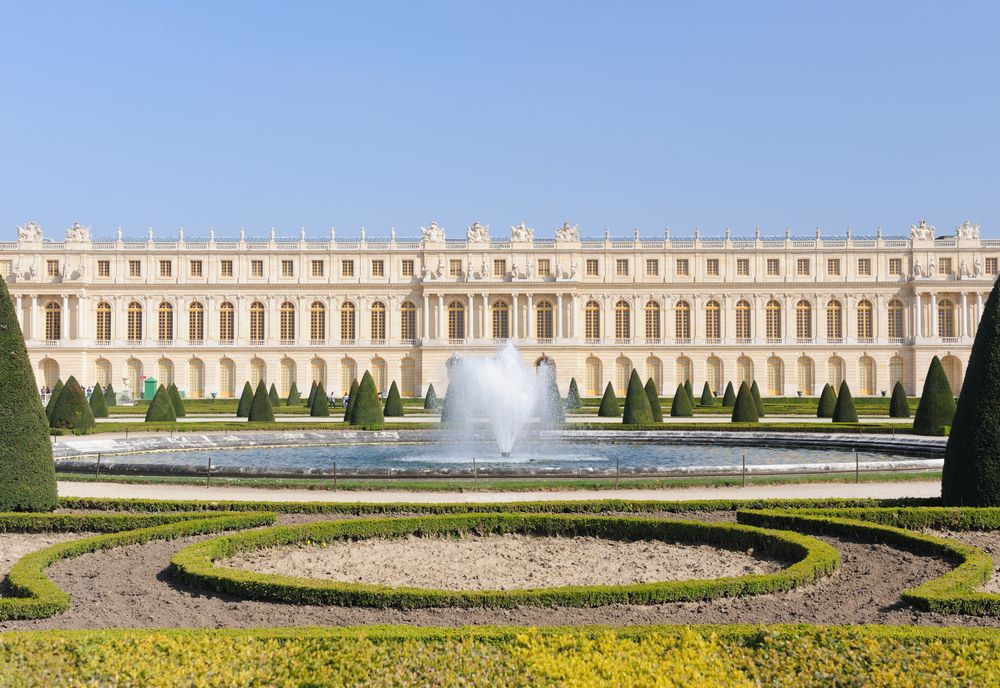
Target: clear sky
617, 114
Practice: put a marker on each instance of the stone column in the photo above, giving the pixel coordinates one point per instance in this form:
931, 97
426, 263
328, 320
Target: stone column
441, 325
81, 317
979, 311
528, 318
932, 321
559, 316
34, 316
917, 324
65, 317
17, 312
425, 319
514, 316
965, 315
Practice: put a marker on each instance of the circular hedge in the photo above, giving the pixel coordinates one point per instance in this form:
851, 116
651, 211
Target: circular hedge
808, 558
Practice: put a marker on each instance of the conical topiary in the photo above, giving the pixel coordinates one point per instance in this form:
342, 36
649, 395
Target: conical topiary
53, 398
352, 398
573, 402
609, 404
729, 398
110, 398
937, 403
827, 402
681, 406
367, 412
549, 406
312, 393
654, 401
706, 396
27, 472
98, 404
899, 405
272, 394
161, 410
637, 411
744, 410
293, 398
393, 402
175, 399
844, 411
320, 406
689, 388
246, 399
260, 408
72, 410
446, 414
755, 393
430, 399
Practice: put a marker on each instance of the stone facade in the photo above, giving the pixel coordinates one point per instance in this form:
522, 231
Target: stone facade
209, 313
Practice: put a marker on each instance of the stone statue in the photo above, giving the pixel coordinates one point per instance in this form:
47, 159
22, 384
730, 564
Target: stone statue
485, 270
363, 234
977, 266
468, 271
149, 234
567, 233
917, 270
180, 234
29, 232
440, 269
921, 230
271, 235
522, 232
78, 233
963, 269
572, 269
530, 272
967, 230
930, 268
477, 233
433, 233
302, 233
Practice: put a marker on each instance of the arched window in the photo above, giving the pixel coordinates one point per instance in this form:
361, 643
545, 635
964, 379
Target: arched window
227, 322
804, 320
592, 321
953, 371
772, 320
196, 379
134, 322
286, 322
501, 320
807, 375
834, 320
623, 370
134, 368
50, 372
897, 371
682, 320
286, 376
408, 378
865, 320
317, 372
652, 312
835, 372
348, 322
256, 322
456, 320
743, 329
594, 378
165, 372
895, 319
378, 322
227, 378
775, 376
53, 320
102, 367
866, 375
946, 319
348, 374
104, 323
196, 323
744, 371
165, 321
713, 320
408, 324
682, 370
654, 370
543, 320
317, 321
623, 320
380, 375
258, 372
713, 373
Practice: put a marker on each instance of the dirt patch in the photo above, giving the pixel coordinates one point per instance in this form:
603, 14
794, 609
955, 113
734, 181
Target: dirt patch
988, 541
13, 546
502, 562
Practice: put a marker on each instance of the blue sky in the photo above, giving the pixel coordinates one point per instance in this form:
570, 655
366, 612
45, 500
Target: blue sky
617, 114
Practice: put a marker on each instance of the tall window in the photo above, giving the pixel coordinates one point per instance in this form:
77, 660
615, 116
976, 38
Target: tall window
743, 320
53, 320
865, 320
623, 369
772, 320
806, 375
134, 368
835, 372
744, 370
592, 320
256, 321
317, 371
286, 376
165, 371
866, 375
348, 374
896, 369
713, 320
227, 321
408, 326
501, 320
286, 323
196, 379
378, 322
682, 320
623, 320
165, 321
348, 320
682, 370
946, 318
652, 312
543, 320
456, 320
713, 373
803, 320
594, 376
317, 321
834, 320
104, 322
227, 378
102, 368
775, 376
380, 375
258, 372
196, 322
134, 322
408, 378
895, 319
654, 371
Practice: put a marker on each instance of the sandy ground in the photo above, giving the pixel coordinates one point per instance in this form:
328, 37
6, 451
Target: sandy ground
243, 494
502, 562
13, 546
988, 541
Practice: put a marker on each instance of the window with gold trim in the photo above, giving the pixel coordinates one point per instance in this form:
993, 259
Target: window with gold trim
348, 321
286, 321
743, 324
592, 320
196, 322
165, 321
713, 320
134, 322
682, 320
378, 321
53, 320
257, 313
500, 312
408, 322
317, 321
227, 319
104, 321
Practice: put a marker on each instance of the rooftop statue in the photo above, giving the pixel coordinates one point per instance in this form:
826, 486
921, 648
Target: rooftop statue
522, 232
921, 230
477, 233
78, 233
567, 233
29, 232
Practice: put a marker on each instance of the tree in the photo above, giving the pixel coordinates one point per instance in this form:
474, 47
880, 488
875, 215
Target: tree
755, 393
320, 406
53, 398
609, 404
27, 472
161, 410
689, 388
109, 395
293, 398
393, 402
937, 403
744, 410
573, 402
98, 404
367, 412
352, 398
260, 408
637, 411
72, 410
175, 399
272, 395
430, 399
706, 396
844, 411
246, 399
827, 402
681, 406
312, 393
729, 398
654, 401
899, 405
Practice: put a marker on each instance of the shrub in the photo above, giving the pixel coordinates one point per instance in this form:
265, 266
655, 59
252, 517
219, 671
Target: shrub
637, 409
745, 410
937, 403
27, 473
844, 411
260, 407
273, 397
681, 406
827, 402
430, 399
72, 410
654, 401
393, 403
53, 398
729, 398
293, 398
98, 405
689, 388
352, 398
706, 395
609, 404
550, 408
312, 393
368, 410
246, 399
755, 393
573, 401
161, 410
899, 405
109, 395
320, 406
175, 399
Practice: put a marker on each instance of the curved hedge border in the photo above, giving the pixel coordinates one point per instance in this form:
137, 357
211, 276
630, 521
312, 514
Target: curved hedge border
33, 595
811, 559
953, 593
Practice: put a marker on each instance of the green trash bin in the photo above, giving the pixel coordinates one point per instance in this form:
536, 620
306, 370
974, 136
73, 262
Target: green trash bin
149, 388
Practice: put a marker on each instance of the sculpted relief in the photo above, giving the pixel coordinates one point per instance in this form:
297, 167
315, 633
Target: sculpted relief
433, 233
29, 232
477, 233
967, 230
921, 230
78, 233
522, 232
567, 233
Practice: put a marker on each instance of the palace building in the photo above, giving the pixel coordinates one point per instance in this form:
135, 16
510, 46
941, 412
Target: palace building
791, 312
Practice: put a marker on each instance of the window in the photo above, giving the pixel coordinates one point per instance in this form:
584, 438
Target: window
896, 371
623, 320
257, 322
408, 322
134, 268
258, 372
743, 330
652, 312
455, 268
195, 267
895, 319
946, 318
802, 267
287, 268
592, 321
592, 267
166, 268
833, 266
594, 379
378, 268
256, 268
348, 321
806, 375
7, 267
621, 267
834, 320
682, 370
623, 370
713, 374
743, 266
835, 372
772, 320
227, 378
317, 268
804, 320
865, 320
456, 320
501, 320
944, 266
991, 266
408, 378
682, 320
407, 267
52, 268
104, 268
226, 267
712, 267
347, 268
499, 268
53, 320
652, 267
544, 267
544, 320
744, 371
196, 322
196, 379
378, 322
134, 324
895, 267
866, 375
165, 321
286, 321
103, 369
865, 267
775, 376
773, 267
165, 372
682, 267
713, 320
227, 320
104, 321
317, 321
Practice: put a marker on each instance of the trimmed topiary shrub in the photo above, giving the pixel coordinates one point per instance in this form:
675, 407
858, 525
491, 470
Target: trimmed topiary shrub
293, 398
609, 404
110, 397
654, 401
637, 411
312, 393
745, 410
98, 405
175, 399
320, 406
53, 398
689, 388
844, 411
272, 395
246, 399
681, 406
573, 402
161, 410
430, 399
549, 406
260, 408
72, 410
729, 398
367, 412
827, 402
937, 403
352, 398
755, 393
706, 396
899, 405
393, 402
